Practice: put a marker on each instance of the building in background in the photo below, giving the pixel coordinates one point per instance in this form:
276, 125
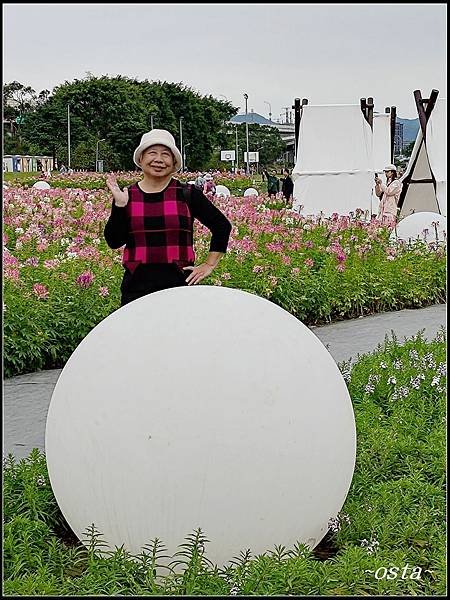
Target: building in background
398, 138
27, 164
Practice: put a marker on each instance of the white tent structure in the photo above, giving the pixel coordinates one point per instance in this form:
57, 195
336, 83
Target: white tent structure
337, 156
425, 178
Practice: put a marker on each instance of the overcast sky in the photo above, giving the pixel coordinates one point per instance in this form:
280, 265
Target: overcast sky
328, 53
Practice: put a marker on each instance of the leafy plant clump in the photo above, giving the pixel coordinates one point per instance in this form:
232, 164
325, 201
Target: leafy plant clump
388, 539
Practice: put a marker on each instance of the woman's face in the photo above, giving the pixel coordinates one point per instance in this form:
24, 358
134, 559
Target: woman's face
157, 161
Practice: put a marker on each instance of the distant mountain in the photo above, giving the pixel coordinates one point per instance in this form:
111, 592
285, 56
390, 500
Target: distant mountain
410, 129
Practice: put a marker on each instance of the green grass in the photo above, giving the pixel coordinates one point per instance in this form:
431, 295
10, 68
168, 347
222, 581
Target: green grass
394, 515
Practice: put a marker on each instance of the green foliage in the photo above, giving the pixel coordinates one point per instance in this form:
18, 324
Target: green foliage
118, 110
264, 139
394, 514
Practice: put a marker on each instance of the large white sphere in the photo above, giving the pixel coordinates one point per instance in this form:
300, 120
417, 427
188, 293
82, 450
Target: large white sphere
201, 407
222, 190
251, 192
420, 226
41, 185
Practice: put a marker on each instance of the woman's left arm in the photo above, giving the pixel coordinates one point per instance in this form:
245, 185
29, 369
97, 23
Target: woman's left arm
212, 218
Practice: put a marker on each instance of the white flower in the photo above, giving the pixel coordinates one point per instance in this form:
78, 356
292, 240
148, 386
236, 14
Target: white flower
383, 365
398, 365
19, 230
442, 369
436, 381
371, 546
415, 382
392, 380
369, 389
334, 524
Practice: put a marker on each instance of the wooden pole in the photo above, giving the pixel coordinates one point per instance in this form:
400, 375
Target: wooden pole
393, 122
370, 112
297, 117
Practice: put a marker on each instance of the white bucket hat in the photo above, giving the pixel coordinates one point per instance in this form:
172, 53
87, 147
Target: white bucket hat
158, 136
390, 168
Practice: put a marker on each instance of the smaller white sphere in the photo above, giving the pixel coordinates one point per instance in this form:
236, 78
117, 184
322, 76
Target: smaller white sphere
251, 192
222, 190
41, 185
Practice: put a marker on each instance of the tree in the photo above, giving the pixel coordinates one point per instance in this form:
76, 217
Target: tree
407, 150
119, 111
19, 101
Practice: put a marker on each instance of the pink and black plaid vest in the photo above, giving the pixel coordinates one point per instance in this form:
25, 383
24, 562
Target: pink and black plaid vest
160, 231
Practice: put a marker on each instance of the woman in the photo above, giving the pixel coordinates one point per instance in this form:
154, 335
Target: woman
273, 183
389, 195
287, 186
209, 186
154, 219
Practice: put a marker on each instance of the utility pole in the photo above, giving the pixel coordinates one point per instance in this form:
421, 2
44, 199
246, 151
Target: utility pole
68, 136
181, 143
246, 133
237, 150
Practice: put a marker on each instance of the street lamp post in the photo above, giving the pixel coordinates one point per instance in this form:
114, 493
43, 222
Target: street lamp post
96, 154
237, 150
68, 136
181, 143
151, 121
184, 153
246, 134
270, 109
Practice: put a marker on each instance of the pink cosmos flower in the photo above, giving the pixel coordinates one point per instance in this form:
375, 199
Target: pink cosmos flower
309, 262
226, 276
295, 271
309, 244
286, 260
32, 261
51, 264
12, 274
258, 269
85, 279
40, 290
340, 267
103, 291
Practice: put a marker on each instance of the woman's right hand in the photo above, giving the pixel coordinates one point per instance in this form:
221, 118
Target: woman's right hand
120, 198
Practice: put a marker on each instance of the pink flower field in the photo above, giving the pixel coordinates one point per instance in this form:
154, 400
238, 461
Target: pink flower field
61, 278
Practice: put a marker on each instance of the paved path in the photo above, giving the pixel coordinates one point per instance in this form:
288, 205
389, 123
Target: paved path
27, 397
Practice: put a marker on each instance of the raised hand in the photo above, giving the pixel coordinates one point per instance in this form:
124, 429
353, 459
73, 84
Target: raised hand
120, 197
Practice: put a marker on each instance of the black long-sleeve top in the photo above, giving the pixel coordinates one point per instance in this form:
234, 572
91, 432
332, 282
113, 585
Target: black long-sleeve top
117, 229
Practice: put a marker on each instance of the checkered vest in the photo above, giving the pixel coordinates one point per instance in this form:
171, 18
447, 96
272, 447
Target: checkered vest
160, 231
